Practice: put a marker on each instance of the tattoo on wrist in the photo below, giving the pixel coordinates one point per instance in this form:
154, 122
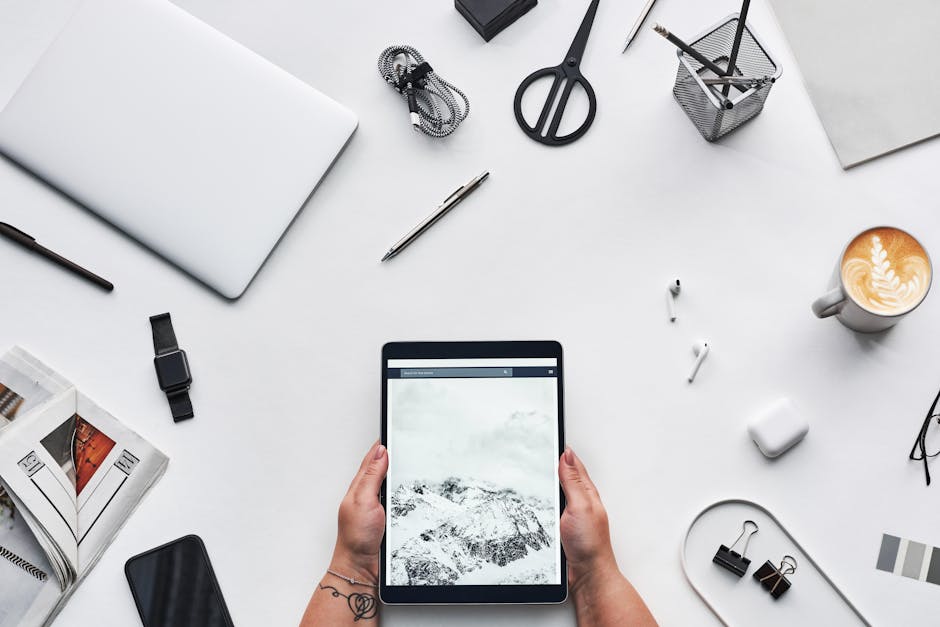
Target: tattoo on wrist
363, 606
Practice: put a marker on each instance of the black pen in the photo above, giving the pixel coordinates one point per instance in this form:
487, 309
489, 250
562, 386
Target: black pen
736, 46
28, 241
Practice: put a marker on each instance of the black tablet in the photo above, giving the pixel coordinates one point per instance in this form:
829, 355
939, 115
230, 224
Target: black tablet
474, 432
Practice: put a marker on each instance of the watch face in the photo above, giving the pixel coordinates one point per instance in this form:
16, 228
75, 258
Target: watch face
173, 370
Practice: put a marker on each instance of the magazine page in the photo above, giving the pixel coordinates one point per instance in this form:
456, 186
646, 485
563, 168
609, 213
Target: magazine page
32, 571
40, 519
52, 552
114, 468
35, 468
25, 383
29, 587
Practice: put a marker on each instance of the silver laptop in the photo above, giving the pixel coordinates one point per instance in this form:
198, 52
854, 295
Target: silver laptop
182, 138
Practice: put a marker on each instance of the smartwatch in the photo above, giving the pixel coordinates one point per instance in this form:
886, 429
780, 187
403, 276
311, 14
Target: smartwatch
172, 367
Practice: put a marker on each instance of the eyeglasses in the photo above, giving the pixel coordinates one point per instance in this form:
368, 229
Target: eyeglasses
928, 440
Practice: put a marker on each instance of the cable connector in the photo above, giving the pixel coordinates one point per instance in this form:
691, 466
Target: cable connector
413, 107
408, 84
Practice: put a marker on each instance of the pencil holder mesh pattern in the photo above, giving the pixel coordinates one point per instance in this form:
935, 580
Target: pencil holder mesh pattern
713, 114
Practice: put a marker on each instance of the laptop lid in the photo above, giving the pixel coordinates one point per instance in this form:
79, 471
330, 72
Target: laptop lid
181, 137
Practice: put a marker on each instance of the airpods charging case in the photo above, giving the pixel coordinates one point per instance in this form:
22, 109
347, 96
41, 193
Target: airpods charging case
778, 427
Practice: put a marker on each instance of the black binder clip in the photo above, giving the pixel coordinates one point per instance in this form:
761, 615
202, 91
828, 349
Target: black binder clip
728, 558
774, 579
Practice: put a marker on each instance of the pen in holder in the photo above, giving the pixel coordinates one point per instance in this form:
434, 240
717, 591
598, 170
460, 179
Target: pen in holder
701, 93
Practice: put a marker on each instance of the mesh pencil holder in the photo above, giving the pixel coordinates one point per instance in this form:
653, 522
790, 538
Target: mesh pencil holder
714, 114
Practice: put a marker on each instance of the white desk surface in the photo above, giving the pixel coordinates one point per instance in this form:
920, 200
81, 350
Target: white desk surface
575, 244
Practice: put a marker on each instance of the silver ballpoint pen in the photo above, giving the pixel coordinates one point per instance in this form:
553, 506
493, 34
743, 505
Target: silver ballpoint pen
639, 23
452, 201
738, 80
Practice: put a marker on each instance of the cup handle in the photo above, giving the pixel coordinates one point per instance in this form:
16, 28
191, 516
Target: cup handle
830, 303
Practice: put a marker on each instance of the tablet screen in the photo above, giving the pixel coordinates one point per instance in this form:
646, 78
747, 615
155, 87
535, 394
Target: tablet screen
472, 487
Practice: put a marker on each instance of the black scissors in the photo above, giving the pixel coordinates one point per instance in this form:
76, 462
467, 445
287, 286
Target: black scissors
569, 73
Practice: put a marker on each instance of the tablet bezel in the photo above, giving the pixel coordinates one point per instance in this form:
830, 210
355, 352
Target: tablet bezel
505, 594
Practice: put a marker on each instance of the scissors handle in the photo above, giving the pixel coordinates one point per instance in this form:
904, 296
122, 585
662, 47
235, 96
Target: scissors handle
570, 76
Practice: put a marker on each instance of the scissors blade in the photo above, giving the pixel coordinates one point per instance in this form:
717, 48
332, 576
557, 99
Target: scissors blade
580, 40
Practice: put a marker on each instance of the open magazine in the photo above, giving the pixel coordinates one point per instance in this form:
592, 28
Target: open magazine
70, 476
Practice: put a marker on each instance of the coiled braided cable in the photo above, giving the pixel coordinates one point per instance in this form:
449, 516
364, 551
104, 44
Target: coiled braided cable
438, 110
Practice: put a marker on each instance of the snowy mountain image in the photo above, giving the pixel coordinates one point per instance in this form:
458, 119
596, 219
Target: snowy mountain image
469, 532
472, 485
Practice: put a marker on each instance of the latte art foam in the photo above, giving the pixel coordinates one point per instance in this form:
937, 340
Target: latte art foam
886, 271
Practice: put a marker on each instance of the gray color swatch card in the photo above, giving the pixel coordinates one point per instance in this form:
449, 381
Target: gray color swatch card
914, 560
870, 69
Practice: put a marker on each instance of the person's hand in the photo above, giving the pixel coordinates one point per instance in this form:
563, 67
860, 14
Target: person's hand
602, 595
585, 534
362, 520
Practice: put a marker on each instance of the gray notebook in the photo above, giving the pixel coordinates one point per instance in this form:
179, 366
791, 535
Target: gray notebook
870, 69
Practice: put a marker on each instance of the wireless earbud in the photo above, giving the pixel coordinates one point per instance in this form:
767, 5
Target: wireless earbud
674, 287
700, 349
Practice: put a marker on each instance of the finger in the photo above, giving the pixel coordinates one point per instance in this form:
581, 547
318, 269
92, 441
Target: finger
369, 480
572, 480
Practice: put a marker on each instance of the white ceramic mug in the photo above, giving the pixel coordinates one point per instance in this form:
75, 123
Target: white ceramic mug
839, 302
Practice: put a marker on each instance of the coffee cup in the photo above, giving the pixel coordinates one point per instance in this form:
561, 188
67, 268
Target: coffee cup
882, 275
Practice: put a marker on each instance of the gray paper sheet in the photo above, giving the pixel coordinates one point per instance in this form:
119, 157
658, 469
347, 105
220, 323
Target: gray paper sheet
871, 69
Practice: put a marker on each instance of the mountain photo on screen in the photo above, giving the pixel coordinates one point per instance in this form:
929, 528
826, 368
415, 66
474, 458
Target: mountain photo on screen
472, 483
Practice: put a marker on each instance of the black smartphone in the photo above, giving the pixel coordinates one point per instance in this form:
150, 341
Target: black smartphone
174, 586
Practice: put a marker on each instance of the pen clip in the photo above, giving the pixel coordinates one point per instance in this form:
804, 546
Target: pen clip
456, 194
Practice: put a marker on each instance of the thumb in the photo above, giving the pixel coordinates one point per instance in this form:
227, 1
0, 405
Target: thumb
571, 481
371, 474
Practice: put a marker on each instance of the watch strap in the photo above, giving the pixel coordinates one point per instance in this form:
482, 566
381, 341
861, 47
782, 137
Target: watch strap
164, 339
180, 406
164, 343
